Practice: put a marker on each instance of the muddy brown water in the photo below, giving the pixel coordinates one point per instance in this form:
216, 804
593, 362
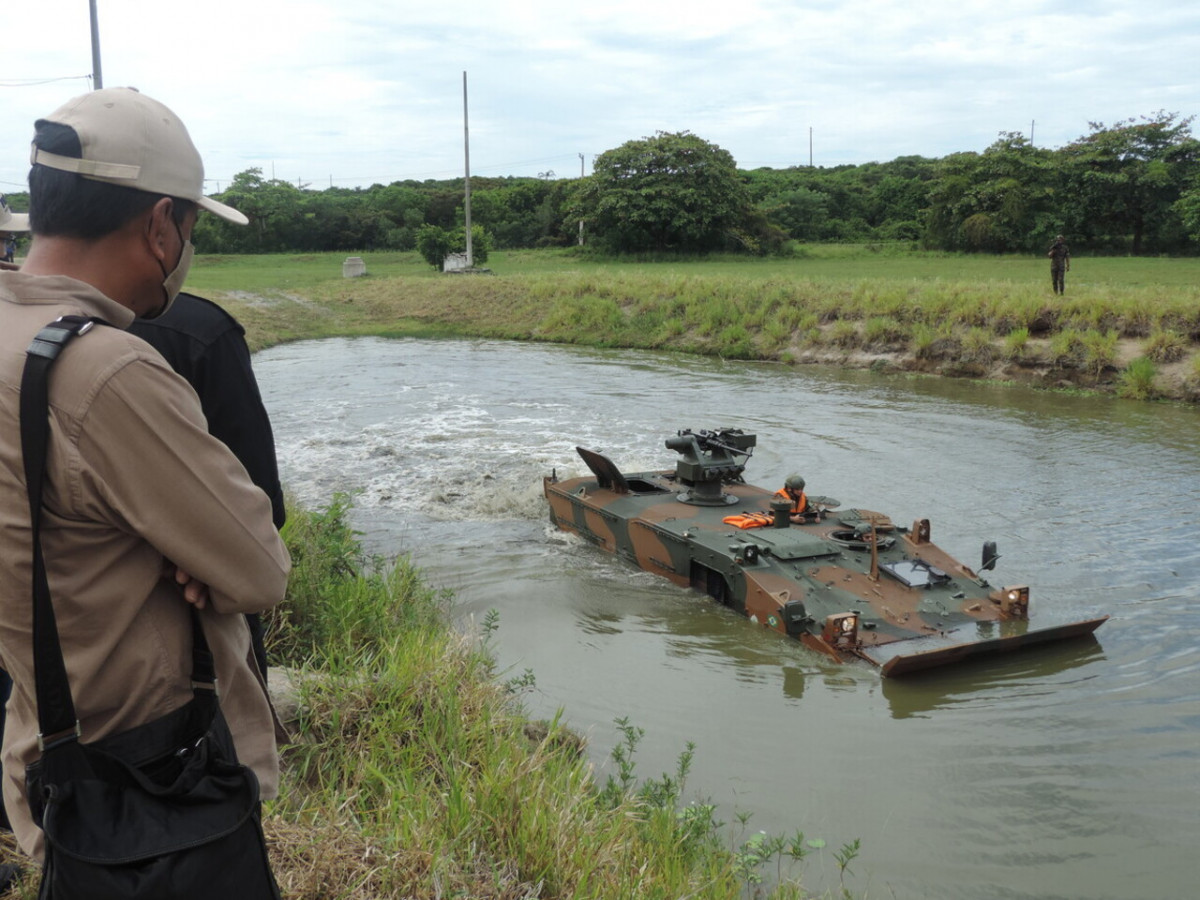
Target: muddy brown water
1069, 772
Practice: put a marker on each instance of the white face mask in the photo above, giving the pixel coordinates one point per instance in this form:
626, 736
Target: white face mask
173, 282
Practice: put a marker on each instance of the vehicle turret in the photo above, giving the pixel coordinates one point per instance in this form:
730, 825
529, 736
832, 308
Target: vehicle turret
708, 460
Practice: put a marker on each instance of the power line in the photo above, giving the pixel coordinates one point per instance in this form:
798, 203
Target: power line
34, 82
437, 174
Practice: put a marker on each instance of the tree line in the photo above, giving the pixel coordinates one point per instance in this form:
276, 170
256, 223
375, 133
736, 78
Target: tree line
1132, 187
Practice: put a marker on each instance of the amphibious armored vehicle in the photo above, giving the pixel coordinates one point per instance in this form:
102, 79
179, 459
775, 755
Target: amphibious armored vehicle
849, 583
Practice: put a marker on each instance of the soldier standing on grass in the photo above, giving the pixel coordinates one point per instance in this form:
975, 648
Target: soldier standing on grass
1060, 263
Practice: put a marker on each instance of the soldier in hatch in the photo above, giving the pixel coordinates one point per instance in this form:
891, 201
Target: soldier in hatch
793, 492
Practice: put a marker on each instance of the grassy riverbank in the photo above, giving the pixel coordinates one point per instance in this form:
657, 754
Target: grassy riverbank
415, 774
1126, 326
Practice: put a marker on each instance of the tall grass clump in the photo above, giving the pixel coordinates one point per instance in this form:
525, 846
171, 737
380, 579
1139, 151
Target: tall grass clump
1191, 378
924, 339
1066, 348
734, 342
977, 345
588, 319
1137, 380
775, 335
413, 772
1016, 344
1099, 350
844, 333
341, 606
1166, 346
885, 331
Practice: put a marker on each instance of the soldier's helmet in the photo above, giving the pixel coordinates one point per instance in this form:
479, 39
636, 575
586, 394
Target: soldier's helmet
794, 483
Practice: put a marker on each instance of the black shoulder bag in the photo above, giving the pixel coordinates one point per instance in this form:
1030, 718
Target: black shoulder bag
162, 811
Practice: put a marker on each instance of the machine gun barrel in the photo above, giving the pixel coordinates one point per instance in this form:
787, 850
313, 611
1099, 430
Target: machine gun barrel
708, 440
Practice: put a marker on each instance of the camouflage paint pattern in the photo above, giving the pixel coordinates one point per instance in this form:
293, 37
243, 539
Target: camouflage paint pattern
793, 579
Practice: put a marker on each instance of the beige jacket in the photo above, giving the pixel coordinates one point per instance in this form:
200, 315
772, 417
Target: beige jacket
133, 478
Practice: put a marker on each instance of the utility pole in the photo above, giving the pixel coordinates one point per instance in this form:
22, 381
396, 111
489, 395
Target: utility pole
1032, 122
810, 158
581, 220
467, 177
97, 76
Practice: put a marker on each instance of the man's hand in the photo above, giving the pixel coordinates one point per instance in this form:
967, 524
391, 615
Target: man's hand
194, 591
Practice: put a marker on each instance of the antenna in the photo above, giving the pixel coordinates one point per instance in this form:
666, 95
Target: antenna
467, 176
97, 76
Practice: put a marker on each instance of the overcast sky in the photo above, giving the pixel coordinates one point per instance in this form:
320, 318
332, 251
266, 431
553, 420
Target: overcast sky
363, 91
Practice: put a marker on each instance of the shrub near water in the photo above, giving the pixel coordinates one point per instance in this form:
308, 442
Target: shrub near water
1137, 381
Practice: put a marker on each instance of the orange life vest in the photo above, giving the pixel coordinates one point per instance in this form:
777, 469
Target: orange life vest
750, 520
799, 505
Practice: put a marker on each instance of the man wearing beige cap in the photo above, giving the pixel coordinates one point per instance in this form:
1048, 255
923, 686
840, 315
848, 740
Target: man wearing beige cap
145, 514
10, 223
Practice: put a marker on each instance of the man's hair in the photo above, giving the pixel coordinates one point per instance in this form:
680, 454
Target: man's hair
65, 204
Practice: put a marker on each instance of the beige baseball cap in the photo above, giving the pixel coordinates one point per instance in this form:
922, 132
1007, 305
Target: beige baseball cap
11, 221
132, 140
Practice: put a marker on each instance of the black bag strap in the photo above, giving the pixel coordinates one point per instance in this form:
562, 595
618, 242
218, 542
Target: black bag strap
57, 720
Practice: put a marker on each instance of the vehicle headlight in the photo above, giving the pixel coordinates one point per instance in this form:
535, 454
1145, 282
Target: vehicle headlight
1015, 602
841, 630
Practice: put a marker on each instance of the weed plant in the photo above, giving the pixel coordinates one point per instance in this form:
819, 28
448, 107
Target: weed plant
1137, 380
1166, 346
1099, 350
977, 345
1016, 344
1066, 348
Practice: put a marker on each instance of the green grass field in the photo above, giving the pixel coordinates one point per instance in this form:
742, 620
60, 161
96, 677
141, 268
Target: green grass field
825, 263
973, 316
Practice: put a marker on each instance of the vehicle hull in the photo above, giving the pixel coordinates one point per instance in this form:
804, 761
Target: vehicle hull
850, 584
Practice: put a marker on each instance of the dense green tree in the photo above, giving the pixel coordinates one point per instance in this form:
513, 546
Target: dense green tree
672, 191
522, 212
1133, 186
273, 208
802, 212
874, 201
1002, 200
949, 201
1187, 207
403, 207
1124, 182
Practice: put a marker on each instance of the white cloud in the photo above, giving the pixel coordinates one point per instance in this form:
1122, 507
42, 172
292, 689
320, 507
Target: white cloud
370, 90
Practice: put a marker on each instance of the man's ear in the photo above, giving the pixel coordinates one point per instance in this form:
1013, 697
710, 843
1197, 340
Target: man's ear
160, 228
